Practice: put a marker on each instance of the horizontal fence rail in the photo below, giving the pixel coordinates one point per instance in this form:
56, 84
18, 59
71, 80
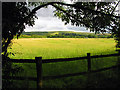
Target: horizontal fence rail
60, 59
60, 76
80, 73
39, 61
63, 59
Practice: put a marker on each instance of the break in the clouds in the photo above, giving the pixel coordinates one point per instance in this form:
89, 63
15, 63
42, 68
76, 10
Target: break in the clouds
48, 22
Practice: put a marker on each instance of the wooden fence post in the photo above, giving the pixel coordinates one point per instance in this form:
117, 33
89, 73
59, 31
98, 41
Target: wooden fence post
89, 61
89, 69
39, 72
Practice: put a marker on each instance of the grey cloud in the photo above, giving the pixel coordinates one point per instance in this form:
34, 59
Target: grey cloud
45, 12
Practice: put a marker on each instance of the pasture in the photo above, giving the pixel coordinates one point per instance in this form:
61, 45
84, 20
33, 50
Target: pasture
50, 48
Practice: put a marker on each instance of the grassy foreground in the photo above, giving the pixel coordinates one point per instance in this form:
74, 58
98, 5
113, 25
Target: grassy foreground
64, 48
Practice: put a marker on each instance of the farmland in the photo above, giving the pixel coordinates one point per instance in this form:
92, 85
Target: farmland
49, 48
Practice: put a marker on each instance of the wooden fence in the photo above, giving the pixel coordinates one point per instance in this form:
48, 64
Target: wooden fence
39, 61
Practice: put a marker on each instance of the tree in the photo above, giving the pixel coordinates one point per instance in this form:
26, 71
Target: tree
98, 16
13, 22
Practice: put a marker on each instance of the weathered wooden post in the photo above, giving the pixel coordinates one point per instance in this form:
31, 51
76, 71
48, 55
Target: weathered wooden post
89, 69
39, 72
89, 61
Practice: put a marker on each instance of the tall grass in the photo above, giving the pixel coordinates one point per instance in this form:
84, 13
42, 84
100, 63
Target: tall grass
61, 47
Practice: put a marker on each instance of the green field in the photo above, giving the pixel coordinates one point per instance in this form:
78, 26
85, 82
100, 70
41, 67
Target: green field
60, 47
48, 48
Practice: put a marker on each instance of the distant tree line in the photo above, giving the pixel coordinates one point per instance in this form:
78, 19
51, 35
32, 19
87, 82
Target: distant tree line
61, 34
75, 35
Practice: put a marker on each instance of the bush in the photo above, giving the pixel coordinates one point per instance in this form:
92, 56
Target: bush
8, 69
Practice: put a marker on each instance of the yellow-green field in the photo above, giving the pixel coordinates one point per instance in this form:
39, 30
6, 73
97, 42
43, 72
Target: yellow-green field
63, 48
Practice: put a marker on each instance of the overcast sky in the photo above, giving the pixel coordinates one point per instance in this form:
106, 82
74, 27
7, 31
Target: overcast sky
48, 22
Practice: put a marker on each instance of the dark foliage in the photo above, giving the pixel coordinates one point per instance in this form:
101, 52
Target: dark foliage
13, 23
